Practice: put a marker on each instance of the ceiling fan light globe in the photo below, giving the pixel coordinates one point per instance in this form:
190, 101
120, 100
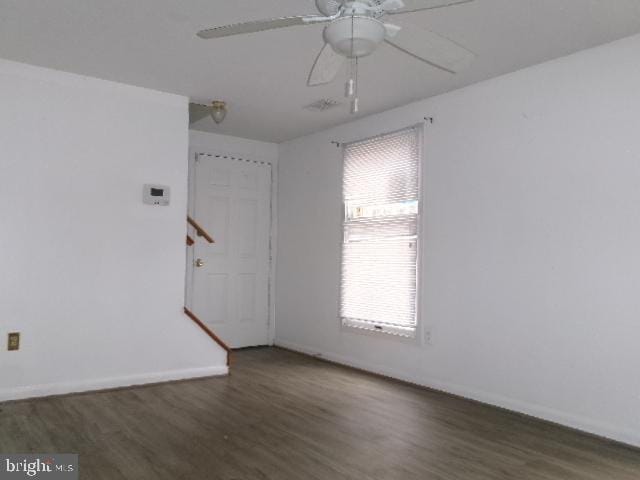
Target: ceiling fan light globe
218, 111
218, 115
367, 32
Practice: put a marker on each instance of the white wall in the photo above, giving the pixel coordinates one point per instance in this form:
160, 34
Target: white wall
91, 277
531, 243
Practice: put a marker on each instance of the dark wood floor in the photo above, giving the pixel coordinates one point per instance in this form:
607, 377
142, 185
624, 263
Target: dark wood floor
285, 416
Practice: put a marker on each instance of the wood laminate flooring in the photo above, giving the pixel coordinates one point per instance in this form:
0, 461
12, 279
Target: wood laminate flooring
281, 415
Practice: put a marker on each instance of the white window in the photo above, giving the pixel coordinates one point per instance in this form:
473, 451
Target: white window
381, 195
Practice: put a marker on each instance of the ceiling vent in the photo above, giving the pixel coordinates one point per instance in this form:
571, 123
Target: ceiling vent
322, 105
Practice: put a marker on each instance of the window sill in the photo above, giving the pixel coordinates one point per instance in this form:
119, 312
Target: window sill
403, 333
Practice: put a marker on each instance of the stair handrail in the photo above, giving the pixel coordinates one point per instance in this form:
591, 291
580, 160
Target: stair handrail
209, 332
200, 230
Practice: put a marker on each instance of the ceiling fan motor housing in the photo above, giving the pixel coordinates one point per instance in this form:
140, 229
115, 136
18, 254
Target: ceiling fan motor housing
366, 33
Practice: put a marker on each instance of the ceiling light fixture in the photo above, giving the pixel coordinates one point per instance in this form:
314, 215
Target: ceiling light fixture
218, 111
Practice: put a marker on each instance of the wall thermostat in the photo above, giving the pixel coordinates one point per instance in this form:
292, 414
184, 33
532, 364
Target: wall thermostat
156, 195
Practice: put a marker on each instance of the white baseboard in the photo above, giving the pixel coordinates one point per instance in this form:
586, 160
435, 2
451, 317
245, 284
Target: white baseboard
583, 424
47, 390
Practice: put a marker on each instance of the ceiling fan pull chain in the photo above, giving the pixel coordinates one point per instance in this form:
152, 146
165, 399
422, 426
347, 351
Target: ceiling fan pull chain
354, 106
350, 88
352, 83
354, 103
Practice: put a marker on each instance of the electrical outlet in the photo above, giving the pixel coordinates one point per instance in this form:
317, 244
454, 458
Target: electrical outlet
13, 342
428, 336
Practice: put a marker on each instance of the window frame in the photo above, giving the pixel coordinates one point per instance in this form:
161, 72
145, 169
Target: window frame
417, 337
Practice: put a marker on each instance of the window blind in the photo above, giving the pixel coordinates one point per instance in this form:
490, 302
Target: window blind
381, 194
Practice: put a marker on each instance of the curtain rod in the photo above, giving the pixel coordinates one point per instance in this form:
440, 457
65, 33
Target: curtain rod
338, 144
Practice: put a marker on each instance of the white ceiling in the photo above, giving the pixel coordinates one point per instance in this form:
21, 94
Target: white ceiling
262, 76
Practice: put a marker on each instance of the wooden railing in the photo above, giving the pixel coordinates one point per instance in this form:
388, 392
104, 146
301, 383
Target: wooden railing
208, 331
201, 232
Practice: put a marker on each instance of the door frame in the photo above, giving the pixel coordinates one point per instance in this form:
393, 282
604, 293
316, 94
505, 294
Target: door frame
189, 279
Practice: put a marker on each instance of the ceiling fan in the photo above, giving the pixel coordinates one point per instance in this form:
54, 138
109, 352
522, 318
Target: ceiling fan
355, 29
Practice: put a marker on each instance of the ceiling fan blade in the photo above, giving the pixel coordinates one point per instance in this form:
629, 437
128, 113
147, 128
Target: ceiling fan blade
391, 5
420, 5
432, 48
198, 112
391, 30
258, 26
326, 66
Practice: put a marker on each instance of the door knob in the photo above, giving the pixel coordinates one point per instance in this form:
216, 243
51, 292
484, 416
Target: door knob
199, 263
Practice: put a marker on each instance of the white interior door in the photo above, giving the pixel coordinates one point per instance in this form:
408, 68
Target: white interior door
230, 288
